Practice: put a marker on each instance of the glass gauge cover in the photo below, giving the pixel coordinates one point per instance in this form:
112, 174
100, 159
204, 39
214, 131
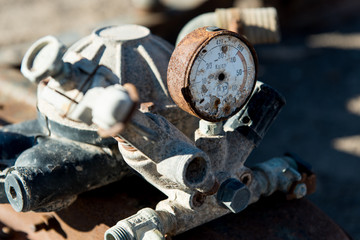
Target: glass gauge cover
212, 73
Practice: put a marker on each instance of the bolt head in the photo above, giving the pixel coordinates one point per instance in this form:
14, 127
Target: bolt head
234, 195
300, 190
210, 128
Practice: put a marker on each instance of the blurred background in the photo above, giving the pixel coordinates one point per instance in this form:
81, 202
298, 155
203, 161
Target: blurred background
316, 66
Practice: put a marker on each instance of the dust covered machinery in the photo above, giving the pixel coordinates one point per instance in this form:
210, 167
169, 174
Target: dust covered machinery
122, 98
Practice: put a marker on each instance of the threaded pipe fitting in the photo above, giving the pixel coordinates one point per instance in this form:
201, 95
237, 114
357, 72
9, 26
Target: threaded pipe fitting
117, 232
145, 224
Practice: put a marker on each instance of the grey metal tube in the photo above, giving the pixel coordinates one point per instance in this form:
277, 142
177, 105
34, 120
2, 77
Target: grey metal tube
259, 25
206, 19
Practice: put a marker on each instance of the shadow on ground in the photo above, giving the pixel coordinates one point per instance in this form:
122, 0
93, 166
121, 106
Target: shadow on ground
318, 123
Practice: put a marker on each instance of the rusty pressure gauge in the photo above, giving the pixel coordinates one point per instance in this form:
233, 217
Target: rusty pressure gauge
212, 73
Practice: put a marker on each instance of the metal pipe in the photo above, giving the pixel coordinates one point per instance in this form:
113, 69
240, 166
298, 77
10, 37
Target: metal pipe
174, 155
50, 175
259, 25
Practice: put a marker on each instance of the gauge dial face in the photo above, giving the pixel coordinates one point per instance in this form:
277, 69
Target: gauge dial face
221, 78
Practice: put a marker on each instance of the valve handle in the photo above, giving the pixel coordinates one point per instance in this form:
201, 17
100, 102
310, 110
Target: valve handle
43, 59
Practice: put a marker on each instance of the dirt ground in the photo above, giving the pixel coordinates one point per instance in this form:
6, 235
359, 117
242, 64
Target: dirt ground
320, 122
318, 72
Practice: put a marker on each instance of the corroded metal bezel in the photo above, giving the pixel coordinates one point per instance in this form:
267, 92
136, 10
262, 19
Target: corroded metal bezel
181, 63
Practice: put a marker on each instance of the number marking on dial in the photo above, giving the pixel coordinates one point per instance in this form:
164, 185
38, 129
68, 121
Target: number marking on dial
222, 77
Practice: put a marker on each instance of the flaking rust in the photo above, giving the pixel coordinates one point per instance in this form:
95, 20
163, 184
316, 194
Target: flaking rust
197, 69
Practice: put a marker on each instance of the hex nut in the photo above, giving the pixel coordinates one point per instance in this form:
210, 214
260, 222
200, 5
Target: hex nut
210, 128
234, 195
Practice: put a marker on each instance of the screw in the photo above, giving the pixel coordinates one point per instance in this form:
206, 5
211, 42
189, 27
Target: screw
234, 195
300, 190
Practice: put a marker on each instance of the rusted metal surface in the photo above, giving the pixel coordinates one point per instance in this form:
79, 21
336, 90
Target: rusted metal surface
264, 236
180, 65
181, 173
171, 162
167, 158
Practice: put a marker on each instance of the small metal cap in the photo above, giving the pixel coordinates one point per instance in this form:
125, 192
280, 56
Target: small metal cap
234, 195
15, 192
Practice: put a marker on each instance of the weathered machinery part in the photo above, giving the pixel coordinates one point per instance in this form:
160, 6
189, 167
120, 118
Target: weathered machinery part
149, 228
164, 155
263, 97
31, 171
211, 88
110, 55
171, 218
235, 186
258, 25
43, 59
130, 52
50, 175
235, 199
211, 75
15, 139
